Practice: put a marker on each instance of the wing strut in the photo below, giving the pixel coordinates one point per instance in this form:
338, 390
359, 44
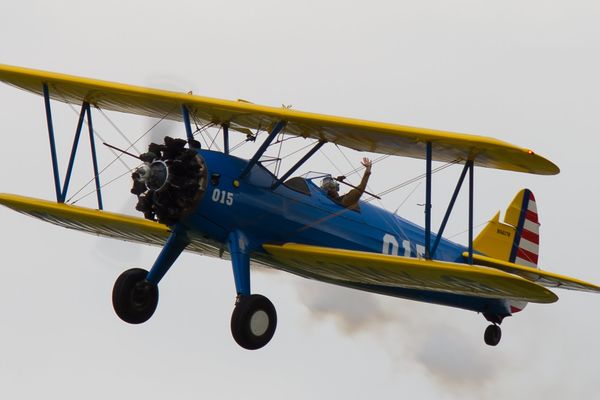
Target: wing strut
471, 184
467, 167
52, 143
428, 157
185, 113
61, 193
263, 147
299, 164
82, 113
94, 158
225, 138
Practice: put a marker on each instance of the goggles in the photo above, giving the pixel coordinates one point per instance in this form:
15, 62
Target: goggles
328, 183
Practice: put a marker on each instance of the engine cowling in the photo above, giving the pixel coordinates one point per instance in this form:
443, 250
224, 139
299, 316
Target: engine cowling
171, 182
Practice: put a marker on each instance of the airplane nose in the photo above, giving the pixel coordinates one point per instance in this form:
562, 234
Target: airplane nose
154, 175
170, 183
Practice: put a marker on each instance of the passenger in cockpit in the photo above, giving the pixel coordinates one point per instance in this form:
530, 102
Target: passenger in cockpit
350, 199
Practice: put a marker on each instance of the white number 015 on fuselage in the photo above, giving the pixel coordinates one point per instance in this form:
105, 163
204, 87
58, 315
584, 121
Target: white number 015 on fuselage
219, 205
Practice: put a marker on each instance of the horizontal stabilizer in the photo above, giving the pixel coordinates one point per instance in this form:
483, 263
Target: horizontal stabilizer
412, 273
543, 278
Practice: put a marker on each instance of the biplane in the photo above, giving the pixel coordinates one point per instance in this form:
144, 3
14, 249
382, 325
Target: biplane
219, 205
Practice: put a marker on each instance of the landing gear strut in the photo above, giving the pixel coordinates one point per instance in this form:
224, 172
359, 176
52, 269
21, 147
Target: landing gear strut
253, 321
492, 335
135, 294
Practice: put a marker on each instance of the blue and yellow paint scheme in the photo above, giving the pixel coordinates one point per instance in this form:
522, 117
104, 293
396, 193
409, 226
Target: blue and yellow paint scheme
251, 216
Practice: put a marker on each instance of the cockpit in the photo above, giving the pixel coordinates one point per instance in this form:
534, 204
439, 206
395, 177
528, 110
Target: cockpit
298, 184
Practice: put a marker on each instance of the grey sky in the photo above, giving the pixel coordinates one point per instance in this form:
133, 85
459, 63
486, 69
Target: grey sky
524, 73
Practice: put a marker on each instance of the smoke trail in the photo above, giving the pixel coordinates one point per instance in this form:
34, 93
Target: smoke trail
410, 332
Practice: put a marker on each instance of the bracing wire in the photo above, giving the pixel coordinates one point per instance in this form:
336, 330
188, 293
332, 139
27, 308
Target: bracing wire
348, 160
203, 130
110, 121
103, 185
99, 137
286, 139
375, 161
237, 146
331, 162
114, 125
355, 170
213, 139
118, 157
407, 197
393, 227
413, 180
240, 144
205, 141
465, 231
278, 165
200, 129
298, 150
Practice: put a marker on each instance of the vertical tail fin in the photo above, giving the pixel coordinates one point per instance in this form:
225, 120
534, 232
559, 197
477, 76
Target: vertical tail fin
516, 239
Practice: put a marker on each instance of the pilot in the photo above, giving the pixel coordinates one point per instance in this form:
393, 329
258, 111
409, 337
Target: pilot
350, 199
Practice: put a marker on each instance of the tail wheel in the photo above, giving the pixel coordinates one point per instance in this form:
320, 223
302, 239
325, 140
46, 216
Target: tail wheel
170, 183
134, 298
492, 335
253, 321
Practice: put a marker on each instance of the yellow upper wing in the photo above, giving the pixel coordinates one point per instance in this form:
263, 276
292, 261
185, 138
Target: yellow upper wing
544, 278
353, 133
386, 270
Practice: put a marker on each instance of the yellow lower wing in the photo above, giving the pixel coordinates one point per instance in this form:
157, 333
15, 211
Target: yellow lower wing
543, 278
101, 223
381, 269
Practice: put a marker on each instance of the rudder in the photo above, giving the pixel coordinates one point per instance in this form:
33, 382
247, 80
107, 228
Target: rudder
522, 213
516, 239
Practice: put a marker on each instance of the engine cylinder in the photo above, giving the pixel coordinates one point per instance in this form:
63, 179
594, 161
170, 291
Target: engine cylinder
170, 183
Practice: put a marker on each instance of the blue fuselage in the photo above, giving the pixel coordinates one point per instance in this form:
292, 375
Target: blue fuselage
301, 212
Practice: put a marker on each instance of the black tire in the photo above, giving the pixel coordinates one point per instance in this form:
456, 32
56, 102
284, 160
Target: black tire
253, 321
134, 298
492, 335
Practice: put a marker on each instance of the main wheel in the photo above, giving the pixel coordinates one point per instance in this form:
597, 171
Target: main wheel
134, 298
253, 321
492, 335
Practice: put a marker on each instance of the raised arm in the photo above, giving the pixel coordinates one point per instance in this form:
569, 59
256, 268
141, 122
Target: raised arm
350, 199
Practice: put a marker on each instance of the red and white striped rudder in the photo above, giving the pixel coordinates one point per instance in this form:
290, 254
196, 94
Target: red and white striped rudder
527, 238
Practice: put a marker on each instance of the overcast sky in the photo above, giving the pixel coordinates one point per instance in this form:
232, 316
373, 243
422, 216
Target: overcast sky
523, 72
